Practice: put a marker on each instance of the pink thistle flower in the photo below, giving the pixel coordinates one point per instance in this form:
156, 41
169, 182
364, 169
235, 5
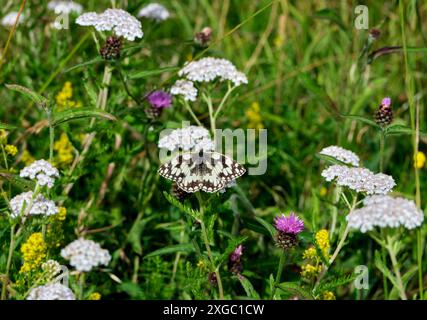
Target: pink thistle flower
289, 224
236, 254
160, 99
386, 102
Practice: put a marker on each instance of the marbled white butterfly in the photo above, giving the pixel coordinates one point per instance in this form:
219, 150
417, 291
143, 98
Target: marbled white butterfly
207, 171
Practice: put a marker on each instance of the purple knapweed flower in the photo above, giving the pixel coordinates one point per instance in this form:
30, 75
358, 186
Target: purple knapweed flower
236, 254
289, 224
386, 102
160, 99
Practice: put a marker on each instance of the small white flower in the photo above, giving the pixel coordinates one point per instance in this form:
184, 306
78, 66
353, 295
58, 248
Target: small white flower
52, 268
341, 154
385, 211
154, 11
84, 255
209, 69
40, 205
359, 179
42, 171
186, 89
53, 291
122, 23
9, 19
190, 138
64, 7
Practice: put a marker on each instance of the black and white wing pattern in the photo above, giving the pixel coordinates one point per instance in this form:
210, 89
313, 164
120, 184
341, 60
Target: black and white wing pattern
206, 171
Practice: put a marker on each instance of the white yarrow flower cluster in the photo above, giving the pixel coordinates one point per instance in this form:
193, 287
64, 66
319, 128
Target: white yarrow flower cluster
122, 23
64, 7
185, 88
385, 211
9, 19
53, 291
84, 255
42, 171
154, 11
190, 138
359, 179
40, 205
51, 268
209, 69
341, 154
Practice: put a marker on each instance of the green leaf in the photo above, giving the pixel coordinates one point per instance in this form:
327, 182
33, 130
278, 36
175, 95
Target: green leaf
383, 268
331, 15
294, 288
254, 225
148, 73
396, 129
132, 289
249, 288
193, 213
34, 96
17, 181
267, 226
394, 293
87, 63
362, 120
80, 113
185, 247
134, 236
6, 126
337, 281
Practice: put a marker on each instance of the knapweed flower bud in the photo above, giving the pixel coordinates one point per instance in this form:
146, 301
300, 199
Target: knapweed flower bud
203, 37
384, 115
288, 227
112, 48
374, 34
158, 101
213, 279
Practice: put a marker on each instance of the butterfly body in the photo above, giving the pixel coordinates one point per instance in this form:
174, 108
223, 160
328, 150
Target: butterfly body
206, 171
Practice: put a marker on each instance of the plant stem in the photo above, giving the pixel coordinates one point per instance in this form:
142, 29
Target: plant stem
279, 272
8, 263
187, 106
224, 99
81, 285
208, 248
382, 143
396, 269
51, 136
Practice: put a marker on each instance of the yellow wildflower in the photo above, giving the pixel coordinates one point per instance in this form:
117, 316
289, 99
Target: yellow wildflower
254, 116
328, 295
310, 271
323, 191
65, 151
322, 240
278, 41
201, 264
3, 136
310, 253
64, 97
95, 296
419, 160
27, 158
11, 150
62, 213
33, 252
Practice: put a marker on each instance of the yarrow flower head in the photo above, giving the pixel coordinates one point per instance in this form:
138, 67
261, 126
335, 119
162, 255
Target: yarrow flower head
359, 179
20, 204
209, 69
154, 11
385, 211
42, 171
186, 89
288, 227
9, 19
52, 291
122, 23
84, 255
51, 268
186, 139
64, 7
341, 154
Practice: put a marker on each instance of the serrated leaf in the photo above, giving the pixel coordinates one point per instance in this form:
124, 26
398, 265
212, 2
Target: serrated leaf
362, 120
294, 288
87, 63
394, 293
184, 247
149, 73
383, 268
80, 113
34, 96
338, 281
193, 213
396, 129
249, 288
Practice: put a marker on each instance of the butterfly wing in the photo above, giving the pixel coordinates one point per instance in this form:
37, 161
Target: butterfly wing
226, 168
